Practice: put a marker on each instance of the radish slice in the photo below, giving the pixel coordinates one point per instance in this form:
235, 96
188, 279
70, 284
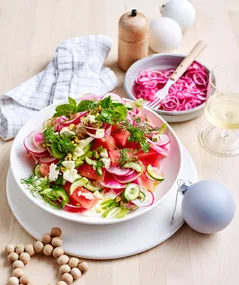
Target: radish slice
110, 182
74, 121
30, 146
114, 97
92, 135
47, 159
90, 96
38, 155
108, 132
74, 209
156, 147
164, 139
119, 171
149, 200
127, 178
38, 139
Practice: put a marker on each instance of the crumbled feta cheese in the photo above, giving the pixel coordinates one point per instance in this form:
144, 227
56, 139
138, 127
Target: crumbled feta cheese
65, 132
106, 162
100, 133
88, 196
104, 153
156, 138
53, 173
98, 195
90, 119
69, 164
70, 175
78, 152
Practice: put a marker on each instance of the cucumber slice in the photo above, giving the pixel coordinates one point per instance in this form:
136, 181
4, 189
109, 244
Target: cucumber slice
155, 173
95, 154
45, 191
90, 161
131, 192
137, 167
36, 170
62, 193
142, 195
104, 153
78, 162
85, 143
99, 170
92, 188
78, 183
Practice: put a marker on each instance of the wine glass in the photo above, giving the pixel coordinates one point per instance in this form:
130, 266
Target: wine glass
222, 111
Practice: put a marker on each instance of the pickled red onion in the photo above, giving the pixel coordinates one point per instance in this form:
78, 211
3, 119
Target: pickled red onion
188, 92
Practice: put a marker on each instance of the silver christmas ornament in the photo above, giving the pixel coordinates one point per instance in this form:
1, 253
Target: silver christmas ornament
208, 206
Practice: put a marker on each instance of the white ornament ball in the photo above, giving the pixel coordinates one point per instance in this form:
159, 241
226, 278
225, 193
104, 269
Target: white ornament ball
208, 206
181, 11
164, 35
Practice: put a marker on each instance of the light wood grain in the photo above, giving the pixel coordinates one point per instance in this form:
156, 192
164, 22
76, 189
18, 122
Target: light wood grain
30, 30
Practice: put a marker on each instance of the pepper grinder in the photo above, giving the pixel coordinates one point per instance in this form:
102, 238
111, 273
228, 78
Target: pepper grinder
133, 38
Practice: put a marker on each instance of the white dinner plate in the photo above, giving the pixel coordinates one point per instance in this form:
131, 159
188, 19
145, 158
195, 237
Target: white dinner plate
104, 241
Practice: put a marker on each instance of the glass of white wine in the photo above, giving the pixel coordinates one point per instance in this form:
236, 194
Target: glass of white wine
221, 137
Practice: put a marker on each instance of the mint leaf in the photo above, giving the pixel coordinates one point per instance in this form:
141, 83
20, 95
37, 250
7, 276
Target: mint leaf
106, 102
66, 109
121, 113
85, 105
107, 116
72, 103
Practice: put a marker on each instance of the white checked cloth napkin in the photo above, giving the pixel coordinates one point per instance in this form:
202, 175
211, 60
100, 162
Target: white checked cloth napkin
77, 68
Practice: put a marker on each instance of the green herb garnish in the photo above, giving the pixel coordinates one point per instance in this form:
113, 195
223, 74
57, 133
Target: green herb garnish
38, 186
59, 146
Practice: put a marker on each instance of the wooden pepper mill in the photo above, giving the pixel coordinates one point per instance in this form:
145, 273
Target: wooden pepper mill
133, 38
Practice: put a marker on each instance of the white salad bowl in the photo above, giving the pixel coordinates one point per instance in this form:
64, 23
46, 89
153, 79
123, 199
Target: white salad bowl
161, 62
22, 167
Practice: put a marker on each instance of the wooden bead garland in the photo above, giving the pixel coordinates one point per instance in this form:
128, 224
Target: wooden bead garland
71, 268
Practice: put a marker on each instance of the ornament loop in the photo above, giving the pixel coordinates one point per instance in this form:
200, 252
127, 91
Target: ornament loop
182, 188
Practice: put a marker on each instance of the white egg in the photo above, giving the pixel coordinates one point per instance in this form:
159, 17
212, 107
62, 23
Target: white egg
208, 206
181, 11
164, 35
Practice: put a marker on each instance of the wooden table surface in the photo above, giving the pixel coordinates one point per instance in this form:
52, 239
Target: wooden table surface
30, 30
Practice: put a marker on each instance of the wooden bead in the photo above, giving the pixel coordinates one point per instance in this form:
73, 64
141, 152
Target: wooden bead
38, 246
56, 232
25, 257
46, 238
13, 256
63, 259
61, 283
67, 277
9, 248
48, 249
18, 264
76, 273
57, 252
56, 242
18, 272
73, 262
24, 279
83, 266
13, 281
30, 249
64, 269
19, 248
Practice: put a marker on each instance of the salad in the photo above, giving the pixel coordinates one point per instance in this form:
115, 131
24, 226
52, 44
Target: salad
101, 155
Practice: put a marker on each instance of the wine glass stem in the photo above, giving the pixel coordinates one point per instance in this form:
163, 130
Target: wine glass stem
225, 133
